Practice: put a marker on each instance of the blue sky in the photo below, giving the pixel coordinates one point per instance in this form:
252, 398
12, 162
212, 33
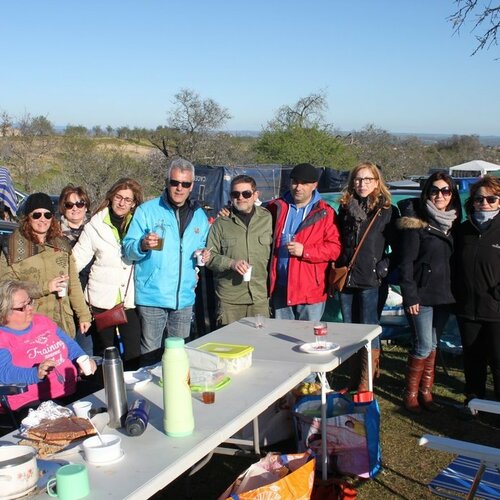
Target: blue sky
391, 63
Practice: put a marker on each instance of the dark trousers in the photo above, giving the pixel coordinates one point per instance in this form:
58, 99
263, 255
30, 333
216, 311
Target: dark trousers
481, 347
130, 338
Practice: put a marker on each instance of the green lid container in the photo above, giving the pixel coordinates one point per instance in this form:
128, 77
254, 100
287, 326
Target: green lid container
174, 343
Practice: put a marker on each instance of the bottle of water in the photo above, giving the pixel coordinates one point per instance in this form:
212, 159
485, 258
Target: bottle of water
137, 417
178, 418
114, 387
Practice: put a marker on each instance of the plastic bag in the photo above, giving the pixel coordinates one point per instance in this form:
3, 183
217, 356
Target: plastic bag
353, 433
283, 477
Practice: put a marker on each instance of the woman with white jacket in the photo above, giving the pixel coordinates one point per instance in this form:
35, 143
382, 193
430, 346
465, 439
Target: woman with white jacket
111, 273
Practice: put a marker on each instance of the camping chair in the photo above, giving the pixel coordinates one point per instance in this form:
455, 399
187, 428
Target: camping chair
9, 390
475, 473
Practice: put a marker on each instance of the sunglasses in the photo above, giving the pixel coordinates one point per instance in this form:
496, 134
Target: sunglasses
445, 191
23, 308
38, 215
245, 194
184, 184
489, 199
79, 204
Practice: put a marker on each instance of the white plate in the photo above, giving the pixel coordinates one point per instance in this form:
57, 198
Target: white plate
109, 462
136, 380
313, 348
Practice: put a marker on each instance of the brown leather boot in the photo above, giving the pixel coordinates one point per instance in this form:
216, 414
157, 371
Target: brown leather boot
426, 383
413, 375
363, 377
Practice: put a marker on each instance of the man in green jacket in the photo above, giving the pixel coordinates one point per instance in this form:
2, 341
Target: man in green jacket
237, 242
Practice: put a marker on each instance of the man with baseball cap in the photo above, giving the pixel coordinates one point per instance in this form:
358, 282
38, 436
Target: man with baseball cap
306, 240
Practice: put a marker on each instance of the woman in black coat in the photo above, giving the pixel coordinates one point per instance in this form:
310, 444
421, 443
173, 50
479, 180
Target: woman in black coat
426, 248
365, 198
478, 287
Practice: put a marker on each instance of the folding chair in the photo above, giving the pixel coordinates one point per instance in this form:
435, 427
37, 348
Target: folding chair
9, 390
475, 473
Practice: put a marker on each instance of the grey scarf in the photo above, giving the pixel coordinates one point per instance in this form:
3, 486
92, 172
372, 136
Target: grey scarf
443, 220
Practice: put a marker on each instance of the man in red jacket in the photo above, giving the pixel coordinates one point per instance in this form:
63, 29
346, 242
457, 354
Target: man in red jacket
306, 240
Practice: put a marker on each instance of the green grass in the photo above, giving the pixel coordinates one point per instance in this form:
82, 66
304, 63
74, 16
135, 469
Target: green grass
407, 467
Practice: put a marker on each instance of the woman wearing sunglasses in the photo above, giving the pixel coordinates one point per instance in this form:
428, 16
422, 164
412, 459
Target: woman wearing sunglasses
74, 207
426, 249
38, 252
111, 279
477, 287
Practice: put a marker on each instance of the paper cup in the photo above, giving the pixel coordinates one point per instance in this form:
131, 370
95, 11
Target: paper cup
82, 408
248, 275
63, 291
84, 364
199, 258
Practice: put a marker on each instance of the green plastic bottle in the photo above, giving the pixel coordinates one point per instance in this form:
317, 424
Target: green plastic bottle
178, 418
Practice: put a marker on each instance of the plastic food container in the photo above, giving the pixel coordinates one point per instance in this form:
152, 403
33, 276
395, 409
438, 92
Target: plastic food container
236, 357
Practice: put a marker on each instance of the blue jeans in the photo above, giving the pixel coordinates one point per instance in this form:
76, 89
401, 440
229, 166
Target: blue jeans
85, 342
155, 320
360, 305
303, 312
427, 327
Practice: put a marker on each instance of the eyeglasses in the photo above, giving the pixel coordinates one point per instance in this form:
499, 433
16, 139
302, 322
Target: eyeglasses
237, 194
23, 308
119, 199
184, 184
79, 204
363, 180
37, 215
445, 191
491, 200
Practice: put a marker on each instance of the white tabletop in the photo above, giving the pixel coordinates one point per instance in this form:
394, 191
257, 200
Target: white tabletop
279, 340
153, 460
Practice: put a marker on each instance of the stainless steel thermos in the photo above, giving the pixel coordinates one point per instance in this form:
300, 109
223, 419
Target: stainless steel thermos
114, 387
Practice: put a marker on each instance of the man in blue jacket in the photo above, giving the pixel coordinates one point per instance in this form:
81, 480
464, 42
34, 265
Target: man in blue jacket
162, 240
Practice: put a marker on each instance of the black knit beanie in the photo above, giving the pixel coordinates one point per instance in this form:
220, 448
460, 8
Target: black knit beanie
38, 200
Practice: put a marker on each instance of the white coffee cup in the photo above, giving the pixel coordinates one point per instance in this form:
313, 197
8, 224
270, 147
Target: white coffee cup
63, 291
82, 408
248, 275
84, 364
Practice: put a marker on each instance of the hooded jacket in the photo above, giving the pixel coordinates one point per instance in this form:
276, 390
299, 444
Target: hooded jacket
165, 278
318, 232
425, 262
22, 259
477, 276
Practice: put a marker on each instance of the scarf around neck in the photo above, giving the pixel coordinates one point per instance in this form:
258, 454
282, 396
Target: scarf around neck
442, 219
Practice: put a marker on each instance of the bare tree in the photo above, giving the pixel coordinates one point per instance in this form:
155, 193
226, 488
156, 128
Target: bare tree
485, 21
192, 121
307, 112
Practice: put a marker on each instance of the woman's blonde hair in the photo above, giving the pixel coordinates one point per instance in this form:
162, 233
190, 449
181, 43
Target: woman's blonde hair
7, 289
381, 192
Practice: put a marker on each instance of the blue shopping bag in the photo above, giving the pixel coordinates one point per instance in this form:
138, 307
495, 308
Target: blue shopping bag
353, 433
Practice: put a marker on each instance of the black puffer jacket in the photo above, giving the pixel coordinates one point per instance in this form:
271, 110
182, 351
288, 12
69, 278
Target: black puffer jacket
372, 263
425, 262
477, 283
